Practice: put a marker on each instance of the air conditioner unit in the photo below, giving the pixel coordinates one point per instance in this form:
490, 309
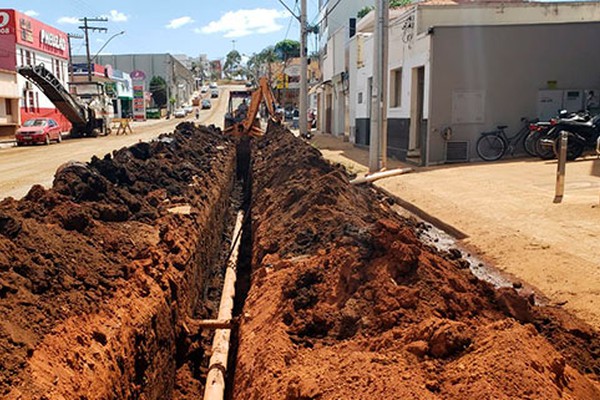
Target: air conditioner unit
457, 151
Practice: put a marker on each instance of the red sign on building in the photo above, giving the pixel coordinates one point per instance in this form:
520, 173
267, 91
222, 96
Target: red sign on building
19, 29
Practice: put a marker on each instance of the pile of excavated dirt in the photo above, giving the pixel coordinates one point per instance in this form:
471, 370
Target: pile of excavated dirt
346, 302
99, 274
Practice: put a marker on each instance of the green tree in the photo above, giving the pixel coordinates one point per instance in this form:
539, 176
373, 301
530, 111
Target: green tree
232, 63
393, 4
287, 49
158, 88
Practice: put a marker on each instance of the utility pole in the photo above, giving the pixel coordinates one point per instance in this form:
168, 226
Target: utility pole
385, 5
69, 37
87, 28
378, 98
303, 124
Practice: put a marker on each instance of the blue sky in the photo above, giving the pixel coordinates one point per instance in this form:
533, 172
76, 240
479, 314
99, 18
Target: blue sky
189, 27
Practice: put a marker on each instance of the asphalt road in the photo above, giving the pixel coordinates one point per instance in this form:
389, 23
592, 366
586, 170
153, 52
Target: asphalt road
22, 167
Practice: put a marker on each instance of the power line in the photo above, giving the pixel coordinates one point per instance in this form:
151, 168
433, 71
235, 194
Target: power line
328, 12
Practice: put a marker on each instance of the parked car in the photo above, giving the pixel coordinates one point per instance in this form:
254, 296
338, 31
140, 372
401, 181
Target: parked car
248, 84
38, 130
206, 104
188, 109
179, 113
204, 89
214, 93
213, 85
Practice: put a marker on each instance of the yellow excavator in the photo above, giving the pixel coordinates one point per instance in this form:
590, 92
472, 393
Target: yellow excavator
243, 121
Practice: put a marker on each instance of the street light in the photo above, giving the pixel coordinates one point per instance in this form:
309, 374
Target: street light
106, 43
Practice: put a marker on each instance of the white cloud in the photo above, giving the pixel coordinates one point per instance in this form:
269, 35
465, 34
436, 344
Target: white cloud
116, 16
245, 22
179, 22
100, 40
68, 20
31, 13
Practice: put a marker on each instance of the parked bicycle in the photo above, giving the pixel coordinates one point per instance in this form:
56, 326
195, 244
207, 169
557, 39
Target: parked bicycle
493, 145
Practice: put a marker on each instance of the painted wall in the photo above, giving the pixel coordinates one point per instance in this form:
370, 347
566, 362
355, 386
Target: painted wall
506, 13
508, 65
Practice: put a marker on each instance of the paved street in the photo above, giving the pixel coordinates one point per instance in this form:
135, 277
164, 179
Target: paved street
22, 167
506, 211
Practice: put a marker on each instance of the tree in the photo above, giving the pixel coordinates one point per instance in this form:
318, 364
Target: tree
364, 11
393, 4
232, 63
287, 49
158, 88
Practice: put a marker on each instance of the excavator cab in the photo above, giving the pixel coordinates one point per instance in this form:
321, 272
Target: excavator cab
237, 108
241, 120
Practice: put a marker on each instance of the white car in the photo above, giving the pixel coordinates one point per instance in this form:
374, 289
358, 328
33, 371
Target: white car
204, 89
188, 109
213, 85
179, 113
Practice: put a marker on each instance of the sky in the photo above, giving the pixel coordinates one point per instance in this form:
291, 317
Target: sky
191, 27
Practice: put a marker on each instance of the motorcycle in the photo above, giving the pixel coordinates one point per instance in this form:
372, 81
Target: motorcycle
583, 134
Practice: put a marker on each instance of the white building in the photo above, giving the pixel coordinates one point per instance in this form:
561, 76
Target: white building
456, 70
334, 32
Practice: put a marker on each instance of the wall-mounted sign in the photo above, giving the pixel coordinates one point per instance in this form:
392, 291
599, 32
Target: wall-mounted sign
26, 30
4, 20
53, 40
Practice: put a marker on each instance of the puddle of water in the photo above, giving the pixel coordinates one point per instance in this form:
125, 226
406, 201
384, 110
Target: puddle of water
442, 241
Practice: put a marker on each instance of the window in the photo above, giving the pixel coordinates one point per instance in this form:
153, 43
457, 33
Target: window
360, 97
22, 57
37, 101
8, 106
31, 102
396, 89
27, 57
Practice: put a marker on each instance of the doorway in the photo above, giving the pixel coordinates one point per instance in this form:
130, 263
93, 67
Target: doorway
416, 113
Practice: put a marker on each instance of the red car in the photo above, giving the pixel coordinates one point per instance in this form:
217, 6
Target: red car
38, 130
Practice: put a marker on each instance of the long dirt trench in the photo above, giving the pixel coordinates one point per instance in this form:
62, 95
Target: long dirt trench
104, 277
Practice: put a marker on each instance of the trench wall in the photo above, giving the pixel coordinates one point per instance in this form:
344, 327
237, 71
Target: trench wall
140, 233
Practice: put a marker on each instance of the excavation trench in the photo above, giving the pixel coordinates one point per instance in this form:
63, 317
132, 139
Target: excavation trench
104, 276
107, 281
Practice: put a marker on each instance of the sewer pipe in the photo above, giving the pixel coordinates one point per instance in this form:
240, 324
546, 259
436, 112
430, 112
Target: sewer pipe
217, 367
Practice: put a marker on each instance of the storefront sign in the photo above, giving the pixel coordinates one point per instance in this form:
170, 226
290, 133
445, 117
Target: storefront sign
16, 28
5, 23
53, 40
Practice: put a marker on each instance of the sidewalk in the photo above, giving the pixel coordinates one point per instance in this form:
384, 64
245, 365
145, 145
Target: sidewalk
506, 211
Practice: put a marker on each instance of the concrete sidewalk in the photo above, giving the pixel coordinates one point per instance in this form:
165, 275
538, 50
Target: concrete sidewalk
506, 211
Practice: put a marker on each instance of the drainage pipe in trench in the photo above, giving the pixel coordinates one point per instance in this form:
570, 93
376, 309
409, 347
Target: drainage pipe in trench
217, 367
380, 175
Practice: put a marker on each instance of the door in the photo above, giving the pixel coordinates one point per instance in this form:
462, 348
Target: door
328, 104
416, 111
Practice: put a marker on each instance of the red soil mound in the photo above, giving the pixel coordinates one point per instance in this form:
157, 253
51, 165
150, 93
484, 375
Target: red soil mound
97, 276
347, 303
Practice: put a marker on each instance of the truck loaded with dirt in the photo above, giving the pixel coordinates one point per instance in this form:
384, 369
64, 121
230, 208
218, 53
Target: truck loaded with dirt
110, 283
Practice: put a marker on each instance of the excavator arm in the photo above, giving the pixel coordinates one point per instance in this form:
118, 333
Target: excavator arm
249, 126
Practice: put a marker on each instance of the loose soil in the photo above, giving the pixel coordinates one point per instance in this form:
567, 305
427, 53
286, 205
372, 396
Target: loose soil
100, 273
346, 302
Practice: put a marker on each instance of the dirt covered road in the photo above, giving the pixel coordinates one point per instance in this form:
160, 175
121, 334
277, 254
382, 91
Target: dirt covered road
22, 167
